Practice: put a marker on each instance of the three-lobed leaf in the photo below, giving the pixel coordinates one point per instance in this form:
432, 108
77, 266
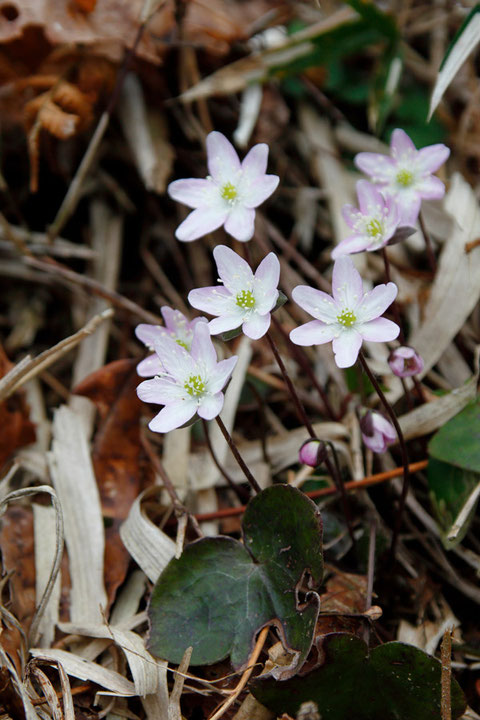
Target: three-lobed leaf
220, 592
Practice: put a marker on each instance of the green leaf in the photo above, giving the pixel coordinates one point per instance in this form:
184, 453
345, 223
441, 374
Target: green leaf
383, 22
394, 681
458, 441
219, 593
454, 494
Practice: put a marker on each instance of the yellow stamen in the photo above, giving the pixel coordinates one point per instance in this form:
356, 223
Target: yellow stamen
405, 178
229, 192
246, 300
195, 386
347, 318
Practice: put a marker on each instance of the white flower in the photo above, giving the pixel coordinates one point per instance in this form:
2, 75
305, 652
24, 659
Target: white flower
377, 432
406, 174
349, 317
245, 299
190, 382
228, 195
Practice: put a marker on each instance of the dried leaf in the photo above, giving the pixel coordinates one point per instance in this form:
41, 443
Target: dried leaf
16, 428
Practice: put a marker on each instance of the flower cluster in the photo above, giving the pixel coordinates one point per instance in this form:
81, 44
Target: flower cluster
229, 194
392, 199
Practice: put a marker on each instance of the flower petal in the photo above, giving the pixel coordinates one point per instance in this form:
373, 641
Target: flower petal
235, 273
200, 222
346, 347
316, 303
215, 300
351, 215
255, 193
176, 361
173, 415
381, 168
224, 323
203, 350
408, 203
265, 283
220, 374
376, 301
401, 145
240, 223
150, 366
313, 333
378, 330
370, 200
351, 244
256, 326
159, 391
194, 192
147, 334
223, 162
255, 162
347, 284
210, 406
430, 188
430, 158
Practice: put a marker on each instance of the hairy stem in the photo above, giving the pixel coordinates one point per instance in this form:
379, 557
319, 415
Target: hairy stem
231, 444
239, 492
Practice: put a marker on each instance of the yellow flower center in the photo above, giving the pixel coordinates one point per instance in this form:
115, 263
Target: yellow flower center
405, 178
246, 300
374, 228
347, 318
182, 343
229, 192
194, 386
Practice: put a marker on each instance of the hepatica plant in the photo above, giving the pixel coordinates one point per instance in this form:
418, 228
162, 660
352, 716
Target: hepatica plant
229, 194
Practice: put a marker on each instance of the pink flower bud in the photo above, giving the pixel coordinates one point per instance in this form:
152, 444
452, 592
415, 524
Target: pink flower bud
377, 432
313, 453
405, 362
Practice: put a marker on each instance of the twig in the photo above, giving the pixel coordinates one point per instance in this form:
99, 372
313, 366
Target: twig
180, 508
325, 492
246, 675
69, 276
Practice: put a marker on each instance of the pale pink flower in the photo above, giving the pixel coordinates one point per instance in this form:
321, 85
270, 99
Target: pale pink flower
377, 432
229, 194
373, 225
405, 362
190, 382
349, 317
406, 174
177, 327
244, 298
313, 452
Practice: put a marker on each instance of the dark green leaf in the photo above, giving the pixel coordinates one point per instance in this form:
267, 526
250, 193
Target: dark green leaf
458, 441
394, 682
450, 488
219, 593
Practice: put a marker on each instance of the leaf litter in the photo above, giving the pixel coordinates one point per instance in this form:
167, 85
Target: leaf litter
75, 635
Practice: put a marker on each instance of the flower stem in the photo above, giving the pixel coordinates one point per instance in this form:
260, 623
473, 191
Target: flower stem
299, 355
403, 449
239, 492
394, 306
302, 415
428, 244
231, 444
335, 472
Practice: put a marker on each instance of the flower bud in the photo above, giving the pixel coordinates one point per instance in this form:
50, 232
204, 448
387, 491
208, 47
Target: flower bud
313, 452
377, 432
405, 362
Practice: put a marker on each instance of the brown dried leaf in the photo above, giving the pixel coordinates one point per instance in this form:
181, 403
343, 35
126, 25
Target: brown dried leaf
116, 456
17, 545
16, 428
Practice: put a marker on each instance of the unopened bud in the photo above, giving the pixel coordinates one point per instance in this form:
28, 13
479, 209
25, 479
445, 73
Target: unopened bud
405, 362
377, 432
313, 452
